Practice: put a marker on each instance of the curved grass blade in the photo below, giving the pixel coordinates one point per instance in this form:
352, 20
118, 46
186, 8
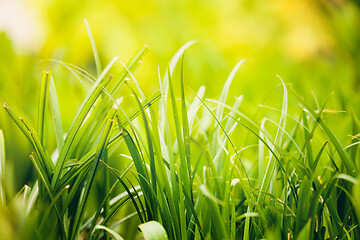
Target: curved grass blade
151, 153
113, 233
80, 117
153, 231
220, 109
93, 45
44, 160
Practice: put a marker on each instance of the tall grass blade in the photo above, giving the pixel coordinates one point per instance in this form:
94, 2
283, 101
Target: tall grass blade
91, 175
220, 109
93, 45
55, 109
44, 91
2, 168
87, 104
44, 159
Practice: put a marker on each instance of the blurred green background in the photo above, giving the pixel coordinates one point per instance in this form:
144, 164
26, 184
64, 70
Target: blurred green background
312, 45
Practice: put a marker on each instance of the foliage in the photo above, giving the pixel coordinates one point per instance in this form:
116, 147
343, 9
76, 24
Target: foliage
200, 169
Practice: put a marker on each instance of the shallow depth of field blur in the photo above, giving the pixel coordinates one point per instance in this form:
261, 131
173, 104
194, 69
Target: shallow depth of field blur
313, 45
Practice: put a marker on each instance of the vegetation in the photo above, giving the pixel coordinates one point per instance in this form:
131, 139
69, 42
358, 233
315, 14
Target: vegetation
181, 168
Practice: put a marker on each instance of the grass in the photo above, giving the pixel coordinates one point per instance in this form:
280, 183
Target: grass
199, 169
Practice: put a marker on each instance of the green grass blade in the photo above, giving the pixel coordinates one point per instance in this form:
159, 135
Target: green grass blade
44, 159
55, 109
151, 153
2, 168
91, 175
131, 195
153, 231
185, 126
46, 183
80, 117
34, 194
44, 91
308, 136
349, 164
271, 169
184, 170
217, 221
194, 106
113, 233
220, 109
93, 45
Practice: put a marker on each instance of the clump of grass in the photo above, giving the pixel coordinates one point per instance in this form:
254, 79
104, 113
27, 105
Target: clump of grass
200, 169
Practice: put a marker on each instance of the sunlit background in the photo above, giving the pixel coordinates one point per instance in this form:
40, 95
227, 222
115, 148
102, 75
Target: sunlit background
313, 45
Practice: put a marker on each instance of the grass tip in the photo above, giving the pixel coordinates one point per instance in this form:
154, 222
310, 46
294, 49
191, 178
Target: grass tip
5, 105
67, 186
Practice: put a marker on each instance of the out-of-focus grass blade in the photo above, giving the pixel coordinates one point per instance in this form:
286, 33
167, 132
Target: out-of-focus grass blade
185, 122
308, 138
194, 106
261, 151
46, 182
174, 61
131, 66
113, 233
305, 232
153, 231
316, 161
220, 109
93, 45
2, 168
55, 109
356, 202
355, 130
271, 169
303, 205
32, 197
217, 222
44, 91
51, 205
